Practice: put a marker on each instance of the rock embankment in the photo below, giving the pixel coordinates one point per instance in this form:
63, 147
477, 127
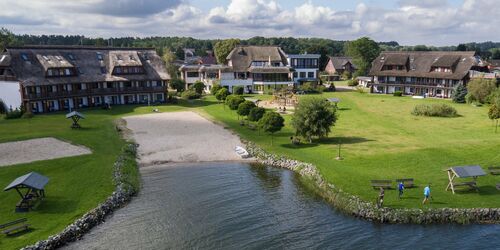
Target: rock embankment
123, 194
354, 206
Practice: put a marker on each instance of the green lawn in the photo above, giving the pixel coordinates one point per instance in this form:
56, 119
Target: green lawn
382, 140
77, 184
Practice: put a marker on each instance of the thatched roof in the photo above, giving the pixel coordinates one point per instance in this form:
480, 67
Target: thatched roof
124, 58
32, 71
420, 63
339, 62
241, 57
53, 60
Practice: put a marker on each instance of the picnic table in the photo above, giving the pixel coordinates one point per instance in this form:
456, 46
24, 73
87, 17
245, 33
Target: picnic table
464, 172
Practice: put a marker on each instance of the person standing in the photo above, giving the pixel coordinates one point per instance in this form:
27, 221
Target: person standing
427, 193
381, 195
401, 188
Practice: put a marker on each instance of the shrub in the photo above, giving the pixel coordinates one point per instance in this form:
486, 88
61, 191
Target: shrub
346, 75
190, 94
332, 88
459, 94
3, 107
215, 88
199, 87
360, 89
256, 114
479, 89
14, 114
245, 107
171, 98
352, 83
238, 90
178, 85
439, 110
233, 101
222, 94
397, 93
27, 115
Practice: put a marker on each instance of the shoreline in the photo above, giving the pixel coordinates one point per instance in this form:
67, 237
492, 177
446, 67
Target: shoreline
356, 207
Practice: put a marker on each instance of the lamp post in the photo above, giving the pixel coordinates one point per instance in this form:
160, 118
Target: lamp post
339, 158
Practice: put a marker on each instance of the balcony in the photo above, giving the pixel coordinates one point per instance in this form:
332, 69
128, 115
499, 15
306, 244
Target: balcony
94, 92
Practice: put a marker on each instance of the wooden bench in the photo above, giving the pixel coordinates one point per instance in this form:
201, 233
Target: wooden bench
381, 183
15, 226
408, 183
470, 184
494, 170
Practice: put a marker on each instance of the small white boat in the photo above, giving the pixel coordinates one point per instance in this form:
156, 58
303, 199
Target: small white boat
241, 152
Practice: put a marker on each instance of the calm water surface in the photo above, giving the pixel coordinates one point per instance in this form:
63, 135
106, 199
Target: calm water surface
237, 206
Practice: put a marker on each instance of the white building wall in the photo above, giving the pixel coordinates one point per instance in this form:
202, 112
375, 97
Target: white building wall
10, 94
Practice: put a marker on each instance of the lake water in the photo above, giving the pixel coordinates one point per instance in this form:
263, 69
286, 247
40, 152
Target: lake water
237, 206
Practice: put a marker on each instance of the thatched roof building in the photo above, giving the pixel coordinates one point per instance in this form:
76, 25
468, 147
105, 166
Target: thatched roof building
30, 64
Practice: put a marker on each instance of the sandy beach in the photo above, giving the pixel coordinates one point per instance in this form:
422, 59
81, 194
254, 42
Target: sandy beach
37, 150
181, 137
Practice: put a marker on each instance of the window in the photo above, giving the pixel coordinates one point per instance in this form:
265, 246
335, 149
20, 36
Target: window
49, 72
67, 72
295, 74
302, 74
118, 70
132, 57
118, 57
59, 58
71, 56
310, 74
99, 56
103, 70
193, 74
24, 56
46, 58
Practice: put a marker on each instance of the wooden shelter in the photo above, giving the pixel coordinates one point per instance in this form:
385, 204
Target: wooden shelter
75, 116
31, 188
463, 172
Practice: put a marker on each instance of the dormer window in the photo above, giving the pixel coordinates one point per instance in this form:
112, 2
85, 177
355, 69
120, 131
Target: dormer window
59, 58
46, 58
118, 57
132, 58
99, 56
103, 70
71, 56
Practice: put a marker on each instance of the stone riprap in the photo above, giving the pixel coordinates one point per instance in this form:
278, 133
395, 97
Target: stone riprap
354, 206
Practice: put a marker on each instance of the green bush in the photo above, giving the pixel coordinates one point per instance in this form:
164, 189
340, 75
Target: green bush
238, 90
397, 93
232, 101
199, 86
215, 88
14, 114
245, 107
352, 83
222, 94
27, 115
256, 114
3, 107
171, 98
178, 85
190, 94
438, 110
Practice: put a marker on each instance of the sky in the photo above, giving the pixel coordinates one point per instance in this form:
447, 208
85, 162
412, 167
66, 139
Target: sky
409, 22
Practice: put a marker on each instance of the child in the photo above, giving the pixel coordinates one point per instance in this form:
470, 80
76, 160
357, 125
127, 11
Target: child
401, 187
381, 197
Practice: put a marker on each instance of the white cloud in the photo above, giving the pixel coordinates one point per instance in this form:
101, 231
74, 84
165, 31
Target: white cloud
434, 22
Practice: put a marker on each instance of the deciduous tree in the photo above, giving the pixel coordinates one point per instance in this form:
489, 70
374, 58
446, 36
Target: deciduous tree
313, 117
223, 48
271, 122
363, 51
479, 89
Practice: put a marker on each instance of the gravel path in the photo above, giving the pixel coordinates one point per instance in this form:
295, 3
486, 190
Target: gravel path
37, 150
181, 137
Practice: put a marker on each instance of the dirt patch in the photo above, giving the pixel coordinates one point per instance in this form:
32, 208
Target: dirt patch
37, 150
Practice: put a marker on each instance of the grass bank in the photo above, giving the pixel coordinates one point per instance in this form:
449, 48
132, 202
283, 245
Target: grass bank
382, 140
